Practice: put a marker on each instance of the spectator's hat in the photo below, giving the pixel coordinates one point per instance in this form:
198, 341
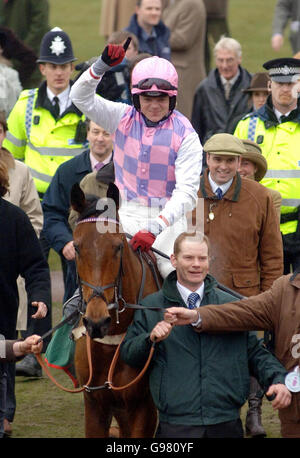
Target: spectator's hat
56, 48
283, 70
224, 144
259, 82
254, 154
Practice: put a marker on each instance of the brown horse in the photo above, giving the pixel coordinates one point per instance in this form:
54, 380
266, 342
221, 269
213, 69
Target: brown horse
110, 275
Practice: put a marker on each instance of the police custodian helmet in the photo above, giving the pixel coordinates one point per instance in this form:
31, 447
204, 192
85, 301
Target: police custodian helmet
56, 48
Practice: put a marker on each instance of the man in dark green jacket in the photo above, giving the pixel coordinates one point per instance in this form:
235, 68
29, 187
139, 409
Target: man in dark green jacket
198, 381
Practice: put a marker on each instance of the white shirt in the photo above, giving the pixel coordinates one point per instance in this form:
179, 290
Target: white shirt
214, 186
63, 97
278, 114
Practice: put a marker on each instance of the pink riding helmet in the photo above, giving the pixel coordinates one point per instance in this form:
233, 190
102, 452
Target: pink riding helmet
154, 75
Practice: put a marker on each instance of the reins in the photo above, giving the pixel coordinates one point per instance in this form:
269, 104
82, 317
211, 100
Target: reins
108, 384
138, 377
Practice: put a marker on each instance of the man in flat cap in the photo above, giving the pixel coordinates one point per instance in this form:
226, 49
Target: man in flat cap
241, 223
275, 127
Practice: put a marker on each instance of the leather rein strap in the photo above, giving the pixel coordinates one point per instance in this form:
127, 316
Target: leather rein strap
109, 383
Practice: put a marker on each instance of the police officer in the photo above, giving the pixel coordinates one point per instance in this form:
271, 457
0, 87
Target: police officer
276, 128
45, 129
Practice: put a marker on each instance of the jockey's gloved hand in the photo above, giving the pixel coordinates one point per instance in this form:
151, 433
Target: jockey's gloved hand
143, 240
112, 55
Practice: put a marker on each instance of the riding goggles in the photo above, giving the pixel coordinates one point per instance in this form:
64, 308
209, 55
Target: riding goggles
161, 84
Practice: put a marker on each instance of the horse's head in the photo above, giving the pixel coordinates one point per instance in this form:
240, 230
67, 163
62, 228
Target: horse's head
99, 243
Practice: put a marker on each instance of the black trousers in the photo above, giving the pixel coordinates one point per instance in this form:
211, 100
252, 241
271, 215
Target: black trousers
291, 262
228, 429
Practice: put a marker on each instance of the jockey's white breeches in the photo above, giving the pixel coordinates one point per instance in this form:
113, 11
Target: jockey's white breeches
134, 217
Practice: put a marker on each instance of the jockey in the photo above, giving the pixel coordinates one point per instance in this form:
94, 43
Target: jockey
157, 153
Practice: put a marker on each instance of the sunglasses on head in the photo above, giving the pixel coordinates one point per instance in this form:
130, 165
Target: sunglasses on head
161, 84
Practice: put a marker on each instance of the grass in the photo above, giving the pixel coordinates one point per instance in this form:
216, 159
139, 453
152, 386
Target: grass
81, 21
250, 23
44, 411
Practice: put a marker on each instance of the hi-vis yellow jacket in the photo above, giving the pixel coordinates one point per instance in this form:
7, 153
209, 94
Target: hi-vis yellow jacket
280, 144
43, 143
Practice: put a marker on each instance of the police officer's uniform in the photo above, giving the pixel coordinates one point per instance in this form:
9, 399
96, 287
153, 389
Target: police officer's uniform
279, 141
39, 136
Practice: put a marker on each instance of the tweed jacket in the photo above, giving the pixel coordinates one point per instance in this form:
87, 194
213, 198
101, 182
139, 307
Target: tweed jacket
243, 229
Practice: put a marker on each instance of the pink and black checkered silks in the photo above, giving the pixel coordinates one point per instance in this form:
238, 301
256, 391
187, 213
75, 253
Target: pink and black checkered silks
145, 157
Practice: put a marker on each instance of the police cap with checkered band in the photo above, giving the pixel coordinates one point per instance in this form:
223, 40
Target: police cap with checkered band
56, 48
283, 70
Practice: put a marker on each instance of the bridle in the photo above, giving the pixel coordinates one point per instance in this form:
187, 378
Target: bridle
98, 290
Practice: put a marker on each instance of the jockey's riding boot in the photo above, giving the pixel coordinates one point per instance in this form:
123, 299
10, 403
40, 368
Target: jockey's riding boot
253, 424
29, 367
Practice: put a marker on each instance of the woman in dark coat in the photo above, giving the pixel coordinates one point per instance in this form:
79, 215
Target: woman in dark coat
20, 254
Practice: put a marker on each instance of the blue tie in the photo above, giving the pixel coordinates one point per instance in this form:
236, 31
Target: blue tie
192, 300
219, 193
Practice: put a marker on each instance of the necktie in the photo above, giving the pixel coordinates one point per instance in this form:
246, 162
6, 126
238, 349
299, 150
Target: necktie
227, 88
219, 193
192, 300
98, 166
56, 107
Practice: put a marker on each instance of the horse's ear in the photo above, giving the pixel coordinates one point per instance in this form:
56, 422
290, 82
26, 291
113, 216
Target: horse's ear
114, 194
78, 201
